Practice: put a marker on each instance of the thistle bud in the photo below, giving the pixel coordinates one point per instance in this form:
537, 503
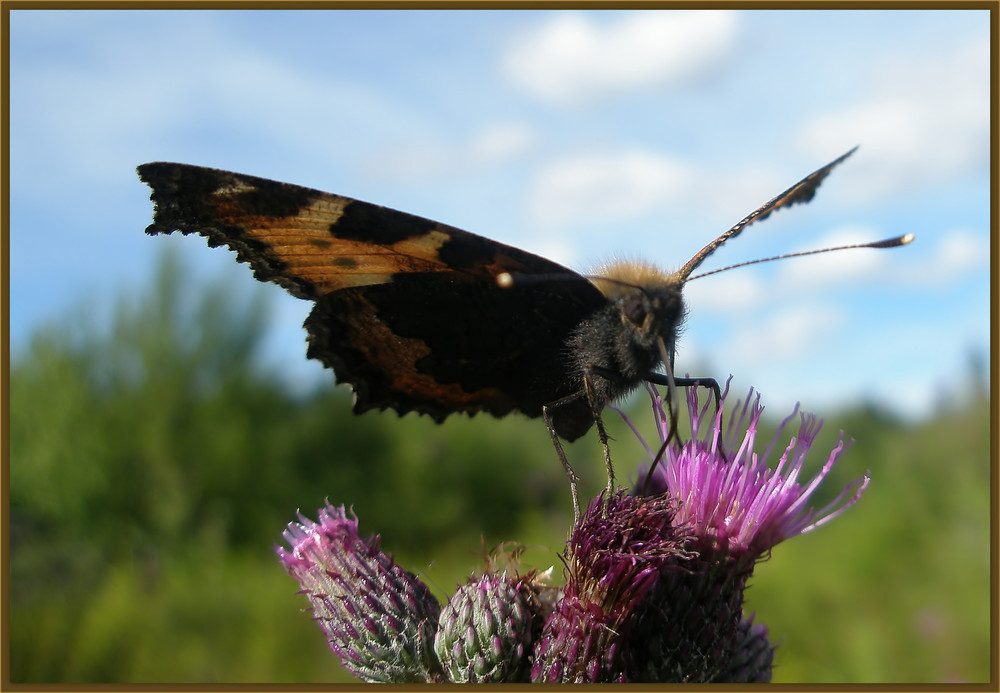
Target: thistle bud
484, 632
378, 618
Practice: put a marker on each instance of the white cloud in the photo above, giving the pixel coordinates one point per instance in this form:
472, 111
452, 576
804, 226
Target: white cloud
727, 293
501, 141
494, 144
556, 249
604, 186
926, 118
576, 58
959, 252
694, 203
103, 111
786, 334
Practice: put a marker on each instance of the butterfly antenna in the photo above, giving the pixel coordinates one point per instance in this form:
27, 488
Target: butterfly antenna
894, 242
803, 191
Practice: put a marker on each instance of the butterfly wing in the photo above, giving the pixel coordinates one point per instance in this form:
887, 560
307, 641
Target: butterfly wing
408, 311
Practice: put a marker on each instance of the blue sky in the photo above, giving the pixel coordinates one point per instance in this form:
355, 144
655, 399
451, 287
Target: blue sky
581, 136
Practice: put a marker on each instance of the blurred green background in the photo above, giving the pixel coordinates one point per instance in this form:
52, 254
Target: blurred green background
154, 462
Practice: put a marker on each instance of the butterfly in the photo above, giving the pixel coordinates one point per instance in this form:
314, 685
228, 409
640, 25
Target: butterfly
419, 316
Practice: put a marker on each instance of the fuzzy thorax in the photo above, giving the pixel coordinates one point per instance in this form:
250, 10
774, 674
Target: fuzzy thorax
619, 277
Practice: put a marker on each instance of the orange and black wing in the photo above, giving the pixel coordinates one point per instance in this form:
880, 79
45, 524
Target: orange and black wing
408, 311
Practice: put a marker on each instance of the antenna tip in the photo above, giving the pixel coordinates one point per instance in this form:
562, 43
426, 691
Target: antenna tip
893, 242
505, 280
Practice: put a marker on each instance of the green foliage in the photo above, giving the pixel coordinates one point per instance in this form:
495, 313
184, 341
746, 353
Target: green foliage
155, 461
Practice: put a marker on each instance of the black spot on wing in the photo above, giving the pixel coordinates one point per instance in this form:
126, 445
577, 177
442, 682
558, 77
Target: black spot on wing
368, 223
186, 195
182, 195
469, 250
270, 198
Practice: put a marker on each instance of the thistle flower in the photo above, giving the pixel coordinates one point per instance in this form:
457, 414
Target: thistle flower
735, 503
655, 580
378, 618
692, 626
485, 631
614, 557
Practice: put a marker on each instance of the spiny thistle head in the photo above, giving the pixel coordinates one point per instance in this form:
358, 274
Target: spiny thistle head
613, 558
485, 631
378, 618
692, 627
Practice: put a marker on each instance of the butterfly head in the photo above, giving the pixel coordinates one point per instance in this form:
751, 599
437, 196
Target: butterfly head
647, 303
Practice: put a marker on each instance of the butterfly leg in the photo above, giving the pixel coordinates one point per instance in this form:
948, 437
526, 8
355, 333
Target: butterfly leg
713, 385
588, 391
672, 383
588, 386
561, 452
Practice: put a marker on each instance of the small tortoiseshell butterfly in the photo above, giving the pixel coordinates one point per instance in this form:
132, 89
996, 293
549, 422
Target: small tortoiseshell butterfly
420, 316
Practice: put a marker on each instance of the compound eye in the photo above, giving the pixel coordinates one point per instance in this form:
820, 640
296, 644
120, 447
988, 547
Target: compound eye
635, 309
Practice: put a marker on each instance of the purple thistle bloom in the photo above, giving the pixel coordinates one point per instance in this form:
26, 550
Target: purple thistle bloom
378, 618
691, 627
733, 501
614, 557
